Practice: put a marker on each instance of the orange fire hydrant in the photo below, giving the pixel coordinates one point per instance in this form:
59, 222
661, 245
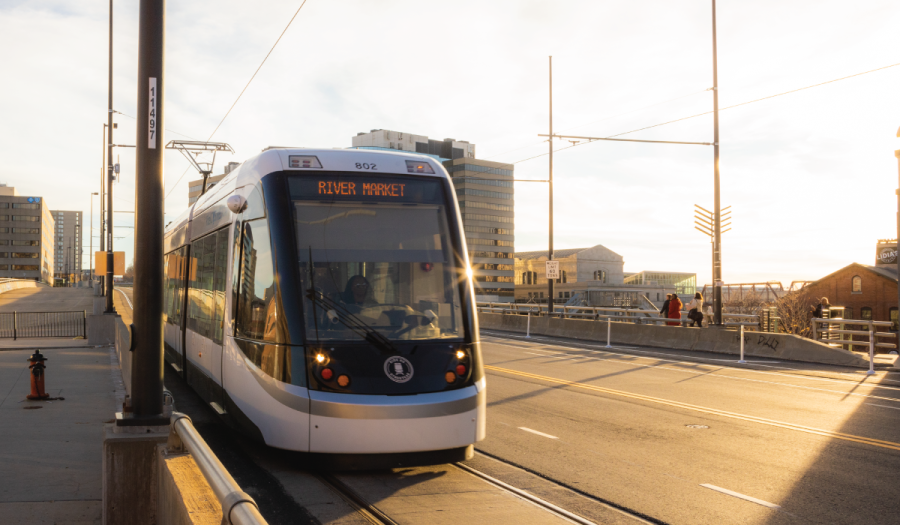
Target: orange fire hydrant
37, 376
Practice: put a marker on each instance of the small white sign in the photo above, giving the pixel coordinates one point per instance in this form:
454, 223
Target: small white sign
552, 269
151, 122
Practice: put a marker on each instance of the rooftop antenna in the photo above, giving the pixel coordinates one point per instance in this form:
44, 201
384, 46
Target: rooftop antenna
191, 149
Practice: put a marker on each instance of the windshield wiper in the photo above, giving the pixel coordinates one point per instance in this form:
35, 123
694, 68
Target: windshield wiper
348, 319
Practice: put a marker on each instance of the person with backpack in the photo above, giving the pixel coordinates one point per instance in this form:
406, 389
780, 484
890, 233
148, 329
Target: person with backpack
695, 310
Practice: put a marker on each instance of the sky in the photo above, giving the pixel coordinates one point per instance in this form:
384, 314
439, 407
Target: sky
810, 176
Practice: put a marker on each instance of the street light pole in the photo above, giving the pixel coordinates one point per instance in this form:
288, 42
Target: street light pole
550, 141
897, 154
110, 309
717, 240
91, 241
147, 372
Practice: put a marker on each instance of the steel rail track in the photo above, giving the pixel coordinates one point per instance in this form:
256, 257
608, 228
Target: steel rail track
368, 511
625, 511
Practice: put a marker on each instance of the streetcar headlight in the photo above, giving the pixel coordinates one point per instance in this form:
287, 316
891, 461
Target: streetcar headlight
460, 354
320, 358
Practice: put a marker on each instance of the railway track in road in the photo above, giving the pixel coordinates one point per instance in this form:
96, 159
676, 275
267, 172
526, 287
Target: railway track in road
377, 516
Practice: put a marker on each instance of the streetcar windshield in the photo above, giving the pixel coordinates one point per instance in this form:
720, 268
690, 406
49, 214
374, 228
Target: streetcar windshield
376, 258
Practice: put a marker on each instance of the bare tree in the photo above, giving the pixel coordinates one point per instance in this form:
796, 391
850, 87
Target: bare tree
748, 302
129, 272
794, 309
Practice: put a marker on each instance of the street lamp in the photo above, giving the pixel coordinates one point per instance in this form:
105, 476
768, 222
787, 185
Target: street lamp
91, 253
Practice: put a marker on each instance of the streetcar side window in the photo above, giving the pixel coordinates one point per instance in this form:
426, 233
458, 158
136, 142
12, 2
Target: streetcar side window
174, 297
257, 312
219, 282
207, 281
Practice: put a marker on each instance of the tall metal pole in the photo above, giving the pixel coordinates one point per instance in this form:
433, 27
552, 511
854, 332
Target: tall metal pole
91, 241
717, 241
102, 195
109, 177
550, 140
897, 154
147, 372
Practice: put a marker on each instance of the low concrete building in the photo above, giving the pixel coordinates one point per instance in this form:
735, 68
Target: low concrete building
195, 187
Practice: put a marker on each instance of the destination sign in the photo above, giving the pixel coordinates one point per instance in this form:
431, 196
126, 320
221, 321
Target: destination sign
353, 187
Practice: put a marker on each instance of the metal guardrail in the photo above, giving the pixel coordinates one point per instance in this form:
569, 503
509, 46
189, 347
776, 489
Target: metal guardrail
826, 335
598, 313
15, 325
238, 508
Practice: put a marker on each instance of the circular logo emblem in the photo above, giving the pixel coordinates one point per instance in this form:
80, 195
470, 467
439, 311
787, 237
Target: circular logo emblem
30, 199
398, 369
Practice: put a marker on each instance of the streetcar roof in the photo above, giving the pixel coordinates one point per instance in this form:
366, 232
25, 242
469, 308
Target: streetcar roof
243, 178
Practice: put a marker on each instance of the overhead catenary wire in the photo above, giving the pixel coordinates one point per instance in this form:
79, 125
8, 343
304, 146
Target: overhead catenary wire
243, 90
720, 109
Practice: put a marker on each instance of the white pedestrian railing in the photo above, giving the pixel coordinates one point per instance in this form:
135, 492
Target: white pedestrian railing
835, 332
601, 313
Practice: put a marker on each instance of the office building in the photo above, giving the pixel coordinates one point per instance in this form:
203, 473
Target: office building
486, 198
68, 253
195, 187
26, 237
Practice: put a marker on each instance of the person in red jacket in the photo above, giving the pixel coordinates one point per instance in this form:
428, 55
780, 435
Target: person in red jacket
675, 310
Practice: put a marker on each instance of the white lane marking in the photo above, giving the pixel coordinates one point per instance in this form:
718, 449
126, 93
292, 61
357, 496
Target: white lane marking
742, 496
702, 359
883, 406
126, 298
538, 433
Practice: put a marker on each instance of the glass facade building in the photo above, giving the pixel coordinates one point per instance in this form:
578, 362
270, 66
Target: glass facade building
67, 247
486, 198
684, 283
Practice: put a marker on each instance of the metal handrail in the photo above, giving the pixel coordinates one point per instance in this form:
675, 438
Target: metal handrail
238, 508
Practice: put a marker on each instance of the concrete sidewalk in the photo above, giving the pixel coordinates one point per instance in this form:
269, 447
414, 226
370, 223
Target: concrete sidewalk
50, 452
42, 343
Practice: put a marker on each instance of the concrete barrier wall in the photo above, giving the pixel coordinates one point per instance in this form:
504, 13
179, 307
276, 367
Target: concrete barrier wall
184, 496
756, 344
123, 350
15, 285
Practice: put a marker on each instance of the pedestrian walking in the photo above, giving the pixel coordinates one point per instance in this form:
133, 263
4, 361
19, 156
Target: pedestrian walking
664, 311
695, 310
675, 305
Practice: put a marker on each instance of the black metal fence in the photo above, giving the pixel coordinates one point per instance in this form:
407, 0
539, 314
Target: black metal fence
17, 325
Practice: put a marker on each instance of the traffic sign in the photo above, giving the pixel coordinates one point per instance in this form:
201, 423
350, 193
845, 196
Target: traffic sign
552, 269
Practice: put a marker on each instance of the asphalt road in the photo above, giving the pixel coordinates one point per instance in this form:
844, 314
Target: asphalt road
685, 441
676, 437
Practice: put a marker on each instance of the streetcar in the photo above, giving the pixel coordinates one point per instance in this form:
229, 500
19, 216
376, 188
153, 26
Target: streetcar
322, 302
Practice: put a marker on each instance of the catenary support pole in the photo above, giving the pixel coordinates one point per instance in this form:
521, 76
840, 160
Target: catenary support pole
897, 154
528, 327
742, 346
147, 371
109, 175
717, 240
550, 141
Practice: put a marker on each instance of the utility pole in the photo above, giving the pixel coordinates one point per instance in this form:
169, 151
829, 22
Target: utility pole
147, 372
550, 141
110, 309
91, 241
717, 239
897, 154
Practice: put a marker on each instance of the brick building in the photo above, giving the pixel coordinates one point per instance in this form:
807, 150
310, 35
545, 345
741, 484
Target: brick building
866, 292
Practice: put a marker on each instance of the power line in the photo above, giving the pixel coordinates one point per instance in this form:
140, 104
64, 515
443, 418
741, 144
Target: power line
243, 90
603, 119
721, 109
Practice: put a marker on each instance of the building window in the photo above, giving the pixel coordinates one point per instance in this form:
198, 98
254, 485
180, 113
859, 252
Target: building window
856, 284
26, 206
600, 275
29, 218
28, 267
865, 313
